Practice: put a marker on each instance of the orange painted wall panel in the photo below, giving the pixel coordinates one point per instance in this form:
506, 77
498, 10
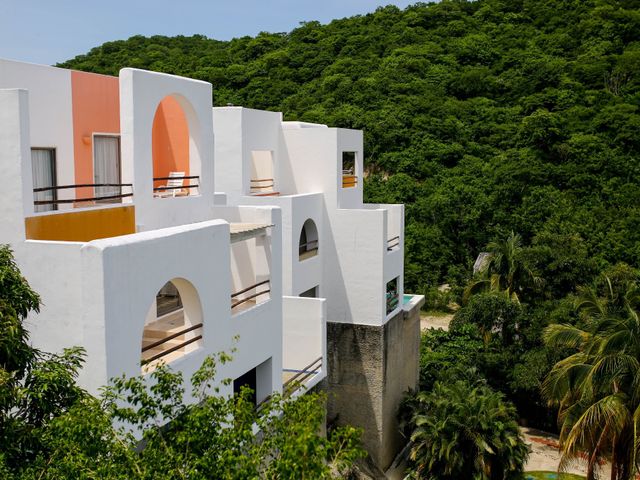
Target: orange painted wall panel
170, 140
82, 225
96, 109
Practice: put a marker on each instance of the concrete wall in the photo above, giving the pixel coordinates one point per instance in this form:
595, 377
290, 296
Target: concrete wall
370, 369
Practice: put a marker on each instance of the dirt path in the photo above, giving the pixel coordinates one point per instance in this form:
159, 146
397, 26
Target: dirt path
545, 456
435, 321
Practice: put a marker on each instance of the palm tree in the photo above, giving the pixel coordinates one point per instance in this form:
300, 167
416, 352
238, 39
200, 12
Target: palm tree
504, 270
597, 388
465, 431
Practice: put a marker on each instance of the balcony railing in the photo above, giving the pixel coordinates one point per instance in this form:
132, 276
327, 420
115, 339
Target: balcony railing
163, 343
237, 298
263, 187
108, 196
349, 180
175, 186
296, 381
393, 242
308, 249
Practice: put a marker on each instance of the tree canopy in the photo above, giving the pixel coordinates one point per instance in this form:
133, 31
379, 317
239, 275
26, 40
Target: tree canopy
483, 117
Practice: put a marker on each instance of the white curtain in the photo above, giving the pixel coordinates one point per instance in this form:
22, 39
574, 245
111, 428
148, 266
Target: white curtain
43, 172
106, 166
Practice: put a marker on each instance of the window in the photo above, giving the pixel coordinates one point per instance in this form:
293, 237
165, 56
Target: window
308, 245
43, 170
349, 177
168, 300
393, 296
311, 293
248, 380
173, 326
106, 168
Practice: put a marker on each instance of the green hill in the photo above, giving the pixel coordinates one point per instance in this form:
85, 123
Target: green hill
483, 117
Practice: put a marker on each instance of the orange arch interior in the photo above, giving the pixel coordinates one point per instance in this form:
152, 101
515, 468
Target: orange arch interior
170, 140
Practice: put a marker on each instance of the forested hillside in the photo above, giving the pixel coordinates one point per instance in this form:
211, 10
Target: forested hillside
483, 117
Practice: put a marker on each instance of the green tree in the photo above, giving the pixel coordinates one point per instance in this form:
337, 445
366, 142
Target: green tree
35, 387
217, 437
597, 388
504, 270
464, 430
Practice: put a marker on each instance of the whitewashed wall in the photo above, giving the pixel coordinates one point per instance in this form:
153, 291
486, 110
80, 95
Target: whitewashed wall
15, 160
140, 94
50, 112
305, 334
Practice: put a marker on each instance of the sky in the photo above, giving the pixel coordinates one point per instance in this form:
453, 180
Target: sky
51, 31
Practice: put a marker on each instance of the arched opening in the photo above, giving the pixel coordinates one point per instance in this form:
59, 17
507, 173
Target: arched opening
173, 326
308, 246
173, 173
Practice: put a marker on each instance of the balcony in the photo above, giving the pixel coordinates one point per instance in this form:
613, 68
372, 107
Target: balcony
304, 344
94, 211
251, 296
167, 340
90, 195
250, 253
170, 332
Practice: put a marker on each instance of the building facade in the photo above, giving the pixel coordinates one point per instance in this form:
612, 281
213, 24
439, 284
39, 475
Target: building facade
160, 229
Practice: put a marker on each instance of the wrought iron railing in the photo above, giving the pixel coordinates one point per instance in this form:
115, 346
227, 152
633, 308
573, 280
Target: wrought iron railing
95, 198
296, 381
235, 301
168, 338
393, 242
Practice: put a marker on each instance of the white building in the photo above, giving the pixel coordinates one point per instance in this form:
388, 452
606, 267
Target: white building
111, 208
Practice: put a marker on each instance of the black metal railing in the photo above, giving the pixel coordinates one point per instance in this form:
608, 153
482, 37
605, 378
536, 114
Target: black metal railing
310, 246
97, 198
393, 242
296, 381
235, 301
180, 186
172, 349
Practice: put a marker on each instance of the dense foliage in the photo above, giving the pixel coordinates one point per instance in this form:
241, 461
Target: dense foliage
464, 430
597, 387
483, 117
141, 428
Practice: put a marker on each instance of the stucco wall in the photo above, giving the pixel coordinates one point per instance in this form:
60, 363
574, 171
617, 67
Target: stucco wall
50, 111
96, 109
140, 94
305, 334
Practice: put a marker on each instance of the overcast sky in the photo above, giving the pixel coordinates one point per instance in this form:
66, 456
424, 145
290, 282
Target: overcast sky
50, 31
